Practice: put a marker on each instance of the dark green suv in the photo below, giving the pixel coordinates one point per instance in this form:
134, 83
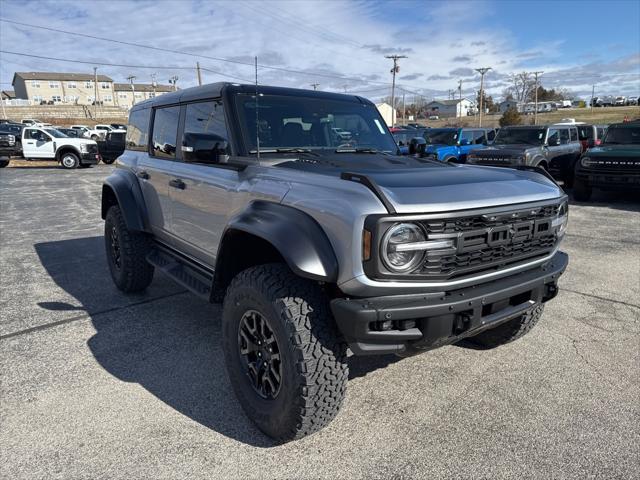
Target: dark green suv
614, 165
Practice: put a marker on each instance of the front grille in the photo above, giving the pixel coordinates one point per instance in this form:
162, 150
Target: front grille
614, 165
481, 242
495, 160
91, 148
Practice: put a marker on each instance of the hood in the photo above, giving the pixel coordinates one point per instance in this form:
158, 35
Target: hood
622, 151
76, 142
503, 150
422, 186
435, 147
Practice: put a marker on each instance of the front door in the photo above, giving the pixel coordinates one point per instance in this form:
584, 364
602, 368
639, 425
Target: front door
202, 189
37, 144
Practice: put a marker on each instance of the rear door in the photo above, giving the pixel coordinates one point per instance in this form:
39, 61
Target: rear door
156, 162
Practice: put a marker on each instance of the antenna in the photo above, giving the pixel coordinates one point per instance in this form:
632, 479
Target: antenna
257, 115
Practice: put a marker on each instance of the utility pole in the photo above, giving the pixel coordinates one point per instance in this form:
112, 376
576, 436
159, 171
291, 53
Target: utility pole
459, 107
593, 92
482, 71
535, 114
131, 78
394, 70
198, 72
154, 83
404, 111
95, 92
174, 80
315, 85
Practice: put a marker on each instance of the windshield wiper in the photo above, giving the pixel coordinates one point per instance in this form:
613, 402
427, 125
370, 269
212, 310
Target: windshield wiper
358, 150
285, 150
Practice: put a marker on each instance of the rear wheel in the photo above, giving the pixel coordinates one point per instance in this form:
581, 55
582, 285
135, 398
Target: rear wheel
285, 357
69, 160
126, 253
4, 163
508, 331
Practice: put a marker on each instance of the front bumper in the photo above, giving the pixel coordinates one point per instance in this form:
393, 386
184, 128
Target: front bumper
420, 322
90, 158
609, 179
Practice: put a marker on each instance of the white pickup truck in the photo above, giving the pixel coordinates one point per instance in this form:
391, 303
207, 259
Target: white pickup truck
50, 144
88, 132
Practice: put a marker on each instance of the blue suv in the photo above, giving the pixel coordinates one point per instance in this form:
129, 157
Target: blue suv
453, 144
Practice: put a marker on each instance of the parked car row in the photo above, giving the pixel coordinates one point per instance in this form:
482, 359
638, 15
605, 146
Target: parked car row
613, 101
68, 146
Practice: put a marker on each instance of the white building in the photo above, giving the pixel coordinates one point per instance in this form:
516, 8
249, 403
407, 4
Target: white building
507, 104
386, 111
451, 108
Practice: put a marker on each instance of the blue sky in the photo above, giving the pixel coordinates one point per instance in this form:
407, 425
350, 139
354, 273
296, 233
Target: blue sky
576, 43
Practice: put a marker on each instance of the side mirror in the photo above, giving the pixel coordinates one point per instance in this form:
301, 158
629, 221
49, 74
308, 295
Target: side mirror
554, 142
464, 142
204, 148
417, 146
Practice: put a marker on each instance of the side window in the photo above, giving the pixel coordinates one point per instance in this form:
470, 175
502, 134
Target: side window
574, 135
564, 136
205, 135
138, 130
165, 132
478, 137
491, 134
553, 137
467, 135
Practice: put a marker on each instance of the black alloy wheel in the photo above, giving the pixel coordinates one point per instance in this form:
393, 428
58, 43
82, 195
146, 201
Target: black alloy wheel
260, 354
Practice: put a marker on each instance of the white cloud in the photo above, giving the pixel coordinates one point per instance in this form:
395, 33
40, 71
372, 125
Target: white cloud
338, 38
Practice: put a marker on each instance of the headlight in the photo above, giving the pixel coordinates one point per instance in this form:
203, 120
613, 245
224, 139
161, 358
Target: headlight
562, 219
84, 148
12, 140
394, 256
587, 162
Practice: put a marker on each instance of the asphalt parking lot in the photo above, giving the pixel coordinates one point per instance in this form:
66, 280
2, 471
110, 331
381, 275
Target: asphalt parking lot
95, 384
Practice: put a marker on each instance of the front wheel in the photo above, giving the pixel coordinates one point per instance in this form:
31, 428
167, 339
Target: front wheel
581, 190
108, 161
69, 160
284, 355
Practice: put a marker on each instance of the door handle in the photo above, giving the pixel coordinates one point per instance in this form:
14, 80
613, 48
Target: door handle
143, 174
177, 183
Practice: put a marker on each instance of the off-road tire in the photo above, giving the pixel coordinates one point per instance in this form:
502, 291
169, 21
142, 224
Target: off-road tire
314, 368
4, 163
134, 273
69, 161
581, 190
508, 331
109, 161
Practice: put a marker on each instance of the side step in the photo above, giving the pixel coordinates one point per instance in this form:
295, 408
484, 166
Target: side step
183, 271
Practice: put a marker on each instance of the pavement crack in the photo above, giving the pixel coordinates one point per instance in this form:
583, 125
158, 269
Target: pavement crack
83, 316
605, 299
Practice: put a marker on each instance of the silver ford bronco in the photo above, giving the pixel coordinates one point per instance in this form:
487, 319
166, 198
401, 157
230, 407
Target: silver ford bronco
294, 209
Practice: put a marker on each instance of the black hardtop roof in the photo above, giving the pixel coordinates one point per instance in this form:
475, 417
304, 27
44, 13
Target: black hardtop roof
214, 90
629, 124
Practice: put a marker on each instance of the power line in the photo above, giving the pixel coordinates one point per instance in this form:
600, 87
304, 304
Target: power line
153, 67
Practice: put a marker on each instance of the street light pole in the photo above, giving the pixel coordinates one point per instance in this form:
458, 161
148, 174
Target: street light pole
535, 114
482, 72
394, 70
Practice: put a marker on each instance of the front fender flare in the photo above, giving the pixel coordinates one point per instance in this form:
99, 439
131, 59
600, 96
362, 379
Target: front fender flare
298, 238
125, 187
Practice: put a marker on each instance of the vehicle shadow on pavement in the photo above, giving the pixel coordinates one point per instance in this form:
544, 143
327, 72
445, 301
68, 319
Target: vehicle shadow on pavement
166, 339
623, 200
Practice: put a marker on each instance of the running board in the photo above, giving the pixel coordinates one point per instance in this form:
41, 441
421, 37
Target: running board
183, 271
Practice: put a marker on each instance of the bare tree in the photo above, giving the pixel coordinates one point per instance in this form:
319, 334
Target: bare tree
523, 85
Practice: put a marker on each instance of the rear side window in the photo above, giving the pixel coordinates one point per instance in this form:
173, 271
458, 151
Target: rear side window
585, 132
138, 130
601, 131
165, 132
491, 134
574, 135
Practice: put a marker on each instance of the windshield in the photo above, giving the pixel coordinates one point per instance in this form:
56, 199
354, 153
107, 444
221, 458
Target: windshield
435, 136
288, 122
55, 133
622, 136
518, 136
